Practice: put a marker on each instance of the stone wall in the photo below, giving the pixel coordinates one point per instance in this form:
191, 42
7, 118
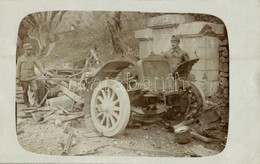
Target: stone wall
224, 73
145, 37
198, 39
206, 70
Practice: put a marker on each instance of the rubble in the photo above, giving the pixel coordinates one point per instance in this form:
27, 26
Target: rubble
65, 111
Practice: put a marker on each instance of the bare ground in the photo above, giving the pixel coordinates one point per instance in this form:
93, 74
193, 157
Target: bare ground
48, 137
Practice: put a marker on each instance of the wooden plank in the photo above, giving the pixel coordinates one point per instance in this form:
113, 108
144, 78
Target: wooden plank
200, 137
72, 95
108, 71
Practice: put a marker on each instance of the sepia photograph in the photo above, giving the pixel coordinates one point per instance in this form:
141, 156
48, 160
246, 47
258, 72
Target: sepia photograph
122, 83
130, 81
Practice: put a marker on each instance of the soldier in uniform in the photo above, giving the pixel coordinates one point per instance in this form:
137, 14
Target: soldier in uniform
26, 76
176, 55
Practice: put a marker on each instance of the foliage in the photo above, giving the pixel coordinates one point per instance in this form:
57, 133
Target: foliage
40, 26
74, 33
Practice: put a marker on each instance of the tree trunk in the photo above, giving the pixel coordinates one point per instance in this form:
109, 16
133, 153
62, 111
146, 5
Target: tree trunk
115, 32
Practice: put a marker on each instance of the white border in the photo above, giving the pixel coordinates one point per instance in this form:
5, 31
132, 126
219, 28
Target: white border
242, 19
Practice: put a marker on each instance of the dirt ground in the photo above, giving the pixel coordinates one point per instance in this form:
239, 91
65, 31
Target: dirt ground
49, 136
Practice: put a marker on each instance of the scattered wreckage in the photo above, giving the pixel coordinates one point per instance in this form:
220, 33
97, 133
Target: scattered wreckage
115, 89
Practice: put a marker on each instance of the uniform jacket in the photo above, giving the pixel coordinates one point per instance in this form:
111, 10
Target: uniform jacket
176, 57
25, 68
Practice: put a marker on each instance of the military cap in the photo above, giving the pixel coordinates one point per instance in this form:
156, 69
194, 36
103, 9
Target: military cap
27, 46
174, 37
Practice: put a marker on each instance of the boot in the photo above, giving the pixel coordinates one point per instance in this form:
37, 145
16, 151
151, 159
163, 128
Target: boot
35, 99
26, 100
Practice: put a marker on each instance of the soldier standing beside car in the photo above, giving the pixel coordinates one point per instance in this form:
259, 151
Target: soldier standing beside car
26, 76
176, 55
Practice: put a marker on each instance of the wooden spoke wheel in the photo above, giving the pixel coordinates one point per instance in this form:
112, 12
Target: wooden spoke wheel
110, 107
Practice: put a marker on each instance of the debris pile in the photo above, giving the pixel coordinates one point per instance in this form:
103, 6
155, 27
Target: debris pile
207, 128
64, 111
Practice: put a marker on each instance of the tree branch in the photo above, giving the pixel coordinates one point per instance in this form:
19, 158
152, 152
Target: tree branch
59, 18
38, 41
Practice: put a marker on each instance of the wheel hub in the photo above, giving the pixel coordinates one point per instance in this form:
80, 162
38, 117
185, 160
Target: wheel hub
107, 107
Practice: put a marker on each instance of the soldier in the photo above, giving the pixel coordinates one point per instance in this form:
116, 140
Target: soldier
176, 55
26, 76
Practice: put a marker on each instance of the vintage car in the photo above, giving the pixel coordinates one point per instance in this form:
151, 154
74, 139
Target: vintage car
146, 90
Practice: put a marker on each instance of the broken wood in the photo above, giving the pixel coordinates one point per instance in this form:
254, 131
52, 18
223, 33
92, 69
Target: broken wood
72, 104
19, 92
19, 96
197, 136
44, 98
92, 135
37, 118
72, 95
28, 108
67, 112
24, 116
64, 110
68, 143
46, 117
20, 101
75, 118
92, 151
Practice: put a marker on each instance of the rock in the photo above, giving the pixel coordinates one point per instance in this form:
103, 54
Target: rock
73, 142
20, 122
225, 67
223, 79
223, 59
96, 140
58, 122
115, 143
226, 91
222, 48
224, 83
221, 66
224, 43
144, 128
224, 74
19, 131
223, 105
224, 53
